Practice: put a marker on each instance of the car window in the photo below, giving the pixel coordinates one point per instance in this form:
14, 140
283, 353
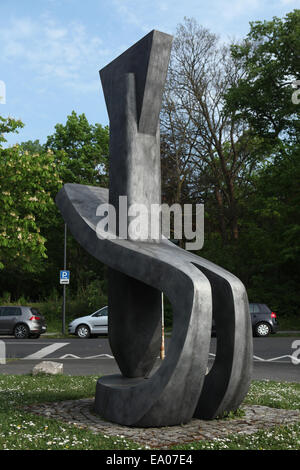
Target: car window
254, 308
265, 309
10, 311
100, 313
34, 311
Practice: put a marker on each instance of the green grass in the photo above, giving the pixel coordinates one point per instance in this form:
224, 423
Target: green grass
282, 395
23, 430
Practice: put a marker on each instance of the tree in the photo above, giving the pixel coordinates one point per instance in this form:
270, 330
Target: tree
206, 144
271, 230
32, 146
8, 125
262, 97
81, 151
31, 227
81, 156
27, 182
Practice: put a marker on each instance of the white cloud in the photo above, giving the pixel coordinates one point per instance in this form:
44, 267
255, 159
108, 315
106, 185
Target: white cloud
132, 13
231, 9
163, 6
66, 54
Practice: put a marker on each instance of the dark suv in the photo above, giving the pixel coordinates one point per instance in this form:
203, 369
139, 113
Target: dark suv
264, 321
22, 322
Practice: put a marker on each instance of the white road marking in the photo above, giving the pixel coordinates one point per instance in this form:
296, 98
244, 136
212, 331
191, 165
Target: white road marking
273, 359
69, 356
45, 351
277, 359
257, 358
72, 356
108, 356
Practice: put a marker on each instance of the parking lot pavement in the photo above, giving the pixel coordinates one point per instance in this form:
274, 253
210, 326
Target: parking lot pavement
280, 372
71, 367
273, 357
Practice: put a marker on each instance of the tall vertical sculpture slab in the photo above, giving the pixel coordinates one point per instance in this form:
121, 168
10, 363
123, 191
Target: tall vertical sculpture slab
140, 269
133, 87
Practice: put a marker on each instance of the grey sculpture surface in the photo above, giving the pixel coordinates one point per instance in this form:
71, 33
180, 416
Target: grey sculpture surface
139, 270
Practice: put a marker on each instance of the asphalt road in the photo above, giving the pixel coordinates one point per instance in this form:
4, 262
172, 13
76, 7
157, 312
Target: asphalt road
275, 358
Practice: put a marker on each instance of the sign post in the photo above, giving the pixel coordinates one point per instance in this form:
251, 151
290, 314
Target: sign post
162, 347
64, 278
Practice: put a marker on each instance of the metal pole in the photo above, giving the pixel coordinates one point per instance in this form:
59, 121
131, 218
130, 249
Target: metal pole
162, 347
64, 286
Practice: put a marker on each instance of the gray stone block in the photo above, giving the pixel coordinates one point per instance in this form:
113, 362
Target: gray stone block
48, 367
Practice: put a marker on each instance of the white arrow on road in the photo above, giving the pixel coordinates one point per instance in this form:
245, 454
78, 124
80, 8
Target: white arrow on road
45, 351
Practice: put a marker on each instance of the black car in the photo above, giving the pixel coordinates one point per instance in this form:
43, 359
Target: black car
264, 321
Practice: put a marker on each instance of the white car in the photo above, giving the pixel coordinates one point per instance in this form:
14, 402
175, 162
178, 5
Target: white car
94, 324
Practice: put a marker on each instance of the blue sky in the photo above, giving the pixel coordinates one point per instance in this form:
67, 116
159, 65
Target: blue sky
51, 50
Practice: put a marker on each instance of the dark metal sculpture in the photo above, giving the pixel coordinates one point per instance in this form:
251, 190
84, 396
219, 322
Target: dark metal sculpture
139, 270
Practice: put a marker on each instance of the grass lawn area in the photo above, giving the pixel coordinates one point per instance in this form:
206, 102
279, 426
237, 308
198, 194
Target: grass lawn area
22, 430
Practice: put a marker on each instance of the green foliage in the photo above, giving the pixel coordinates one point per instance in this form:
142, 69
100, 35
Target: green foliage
8, 125
81, 156
27, 182
270, 57
31, 226
81, 302
267, 254
32, 146
81, 150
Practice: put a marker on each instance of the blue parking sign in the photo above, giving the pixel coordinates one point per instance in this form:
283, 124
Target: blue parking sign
64, 277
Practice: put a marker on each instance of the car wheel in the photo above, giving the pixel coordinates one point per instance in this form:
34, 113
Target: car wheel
262, 329
21, 331
83, 331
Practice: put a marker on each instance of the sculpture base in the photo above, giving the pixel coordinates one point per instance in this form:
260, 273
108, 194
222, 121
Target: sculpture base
110, 402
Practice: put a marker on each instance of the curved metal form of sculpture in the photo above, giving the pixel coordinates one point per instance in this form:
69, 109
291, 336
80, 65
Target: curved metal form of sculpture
139, 270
